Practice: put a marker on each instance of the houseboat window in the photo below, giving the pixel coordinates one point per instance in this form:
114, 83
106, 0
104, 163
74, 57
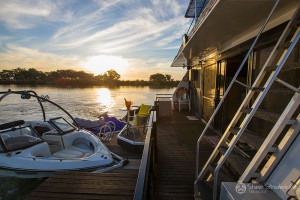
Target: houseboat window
221, 79
62, 125
209, 89
195, 77
20, 138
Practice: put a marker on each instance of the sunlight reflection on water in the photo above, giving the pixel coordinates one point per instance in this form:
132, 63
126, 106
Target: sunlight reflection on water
79, 102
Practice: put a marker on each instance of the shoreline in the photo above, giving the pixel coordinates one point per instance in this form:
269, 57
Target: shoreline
80, 85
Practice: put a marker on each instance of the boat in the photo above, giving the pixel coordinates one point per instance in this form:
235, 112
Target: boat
105, 127
133, 134
31, 149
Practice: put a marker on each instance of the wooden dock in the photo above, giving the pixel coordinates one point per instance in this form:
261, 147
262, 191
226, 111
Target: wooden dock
173, 179
80, 185
176, 153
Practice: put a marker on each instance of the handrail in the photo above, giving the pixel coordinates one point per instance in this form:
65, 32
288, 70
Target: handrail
228, 89
203, 14
141, 188
157, 96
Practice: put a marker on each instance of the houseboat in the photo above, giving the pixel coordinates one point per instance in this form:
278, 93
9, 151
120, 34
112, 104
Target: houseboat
243, 68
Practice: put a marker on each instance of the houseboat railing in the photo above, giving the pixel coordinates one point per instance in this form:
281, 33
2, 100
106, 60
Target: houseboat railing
162, 96
198, 176
203, 15
145, 183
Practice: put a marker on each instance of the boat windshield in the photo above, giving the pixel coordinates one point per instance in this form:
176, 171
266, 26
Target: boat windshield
62, 125
19, 138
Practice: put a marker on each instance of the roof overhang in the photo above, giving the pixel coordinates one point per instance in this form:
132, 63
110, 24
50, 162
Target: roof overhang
229, 23
179, 61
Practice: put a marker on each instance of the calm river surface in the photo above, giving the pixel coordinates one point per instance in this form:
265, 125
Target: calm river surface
79, 102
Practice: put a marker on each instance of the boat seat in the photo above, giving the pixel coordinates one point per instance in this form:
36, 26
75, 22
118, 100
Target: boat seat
40, 150
54, 142
80, 148
83, 146
68, 153
83, 149
20, 141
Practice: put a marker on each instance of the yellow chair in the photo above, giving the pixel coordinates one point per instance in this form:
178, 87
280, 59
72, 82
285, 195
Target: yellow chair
141, 118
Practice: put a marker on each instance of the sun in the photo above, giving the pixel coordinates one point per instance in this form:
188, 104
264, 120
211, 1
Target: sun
102, 63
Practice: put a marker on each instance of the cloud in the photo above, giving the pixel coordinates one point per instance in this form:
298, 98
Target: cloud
136, 26
30, 13
16, 56
84, 22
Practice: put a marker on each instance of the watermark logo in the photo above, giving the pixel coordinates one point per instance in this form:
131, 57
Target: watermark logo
240, 188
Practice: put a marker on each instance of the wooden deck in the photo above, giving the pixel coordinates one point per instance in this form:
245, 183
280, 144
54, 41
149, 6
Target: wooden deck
76, 185
176, 152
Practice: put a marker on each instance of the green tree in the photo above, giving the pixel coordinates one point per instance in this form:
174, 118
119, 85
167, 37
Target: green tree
19, 74
34, 75
158, 78
7, 75
112, 75
168, 77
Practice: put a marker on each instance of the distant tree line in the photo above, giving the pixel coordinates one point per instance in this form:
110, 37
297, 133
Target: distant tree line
72, 78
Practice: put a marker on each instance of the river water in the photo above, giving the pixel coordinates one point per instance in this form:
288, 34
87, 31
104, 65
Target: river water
79, 102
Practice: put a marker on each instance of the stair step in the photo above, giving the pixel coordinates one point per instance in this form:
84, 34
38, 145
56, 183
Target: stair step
267, 116
235, 161
281, 91
273, 91
286, 67
249, 137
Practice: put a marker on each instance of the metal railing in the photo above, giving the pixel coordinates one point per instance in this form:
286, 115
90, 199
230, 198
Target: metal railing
163, 96
203, 15
145, 183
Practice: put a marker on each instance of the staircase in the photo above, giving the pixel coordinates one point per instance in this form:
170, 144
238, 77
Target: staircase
241, 154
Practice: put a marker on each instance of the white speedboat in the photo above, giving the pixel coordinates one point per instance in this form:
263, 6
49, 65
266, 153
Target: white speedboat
39, 148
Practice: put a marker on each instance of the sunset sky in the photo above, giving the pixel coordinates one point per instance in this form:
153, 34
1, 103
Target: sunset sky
135, 37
